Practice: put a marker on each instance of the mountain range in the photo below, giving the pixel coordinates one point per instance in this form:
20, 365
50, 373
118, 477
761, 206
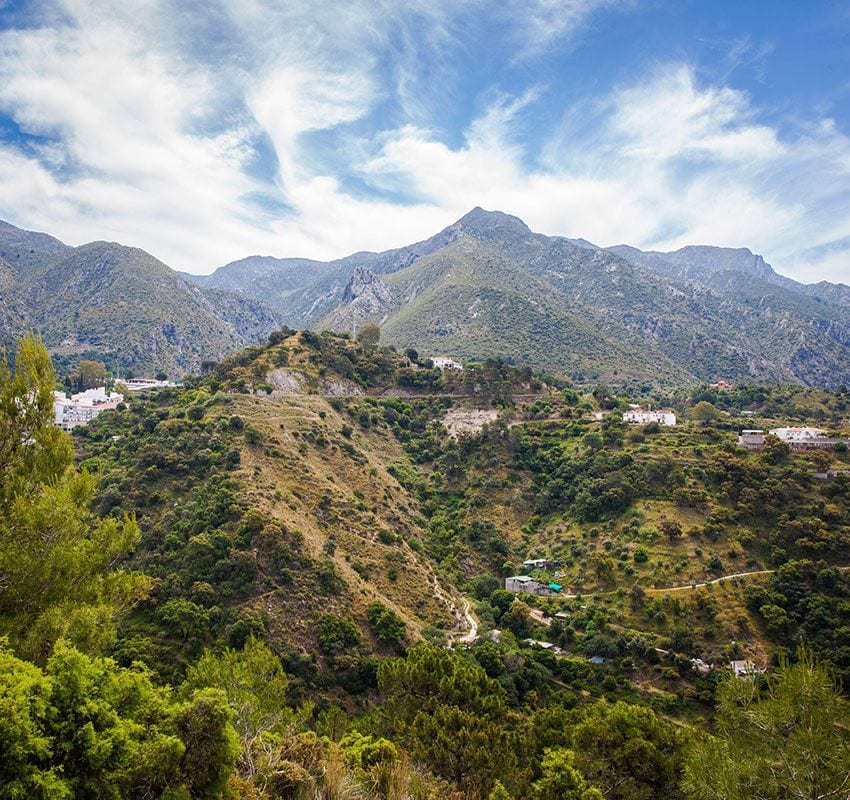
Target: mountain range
488, 285
484, 286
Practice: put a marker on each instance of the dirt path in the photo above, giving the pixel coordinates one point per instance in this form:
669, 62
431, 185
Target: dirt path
463, 617
688, 586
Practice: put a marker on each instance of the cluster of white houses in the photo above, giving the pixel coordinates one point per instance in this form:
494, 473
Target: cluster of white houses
83, 407
642, 416
796, 438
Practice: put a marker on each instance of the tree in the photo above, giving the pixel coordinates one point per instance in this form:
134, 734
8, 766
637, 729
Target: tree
629, 752
369, 334
88, 375
787, 739
671, 529
389, 627
704, 413
86, 728
517, 619
59, 574
449, 714
254, 684
337, 634
561, 780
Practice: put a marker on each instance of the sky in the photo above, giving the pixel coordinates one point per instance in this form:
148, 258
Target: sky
204, 132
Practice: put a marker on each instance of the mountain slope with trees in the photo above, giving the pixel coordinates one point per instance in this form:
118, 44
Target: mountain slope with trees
120, 303
253, 580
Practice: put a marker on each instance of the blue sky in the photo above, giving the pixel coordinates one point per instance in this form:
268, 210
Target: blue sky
204, 131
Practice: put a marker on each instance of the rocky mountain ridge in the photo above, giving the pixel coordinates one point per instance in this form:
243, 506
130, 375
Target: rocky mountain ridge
487, 284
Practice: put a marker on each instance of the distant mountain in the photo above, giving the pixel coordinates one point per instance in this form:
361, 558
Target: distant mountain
487, 285
702, 262
121, 302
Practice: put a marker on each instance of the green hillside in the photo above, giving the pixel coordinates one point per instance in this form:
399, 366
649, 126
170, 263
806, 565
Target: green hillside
119, 303
285, 579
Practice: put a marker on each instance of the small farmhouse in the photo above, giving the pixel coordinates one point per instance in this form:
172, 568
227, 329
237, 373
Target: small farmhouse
640, 416
743, 669
751, 439
524, 584
441, 362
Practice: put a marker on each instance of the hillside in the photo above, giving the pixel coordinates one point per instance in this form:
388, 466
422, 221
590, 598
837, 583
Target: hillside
295, 566
316, 476
487, 285
119, 303
263, 503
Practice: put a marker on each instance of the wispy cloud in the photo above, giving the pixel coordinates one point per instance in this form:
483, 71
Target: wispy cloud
207, 132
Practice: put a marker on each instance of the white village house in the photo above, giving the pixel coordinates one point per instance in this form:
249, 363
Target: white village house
641, 416
806, 438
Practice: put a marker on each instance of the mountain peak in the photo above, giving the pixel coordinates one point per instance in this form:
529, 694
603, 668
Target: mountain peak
489, 225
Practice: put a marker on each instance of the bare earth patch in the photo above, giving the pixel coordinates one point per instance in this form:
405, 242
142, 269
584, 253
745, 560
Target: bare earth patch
468, 420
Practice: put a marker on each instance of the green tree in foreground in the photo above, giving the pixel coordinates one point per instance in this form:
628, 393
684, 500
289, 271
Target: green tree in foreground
450, 716
58, 561
255, 685
86, 728
788, 740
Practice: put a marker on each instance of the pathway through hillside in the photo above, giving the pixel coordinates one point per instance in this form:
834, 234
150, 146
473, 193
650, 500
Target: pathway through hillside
462, 616
687, 586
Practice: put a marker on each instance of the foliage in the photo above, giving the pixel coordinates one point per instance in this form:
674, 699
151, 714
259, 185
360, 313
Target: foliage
788, 738
57, 558
86, 728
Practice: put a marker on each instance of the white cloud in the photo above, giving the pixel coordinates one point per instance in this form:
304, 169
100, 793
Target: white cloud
151, 129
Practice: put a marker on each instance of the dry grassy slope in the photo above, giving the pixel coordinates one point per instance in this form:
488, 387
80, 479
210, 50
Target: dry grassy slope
325, 493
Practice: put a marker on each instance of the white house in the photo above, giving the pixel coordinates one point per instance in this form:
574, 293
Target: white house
538, 563
640, 416
806, 438
798, 434
440, 362
743, 669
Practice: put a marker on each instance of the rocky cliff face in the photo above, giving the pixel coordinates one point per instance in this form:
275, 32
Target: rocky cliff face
365, 298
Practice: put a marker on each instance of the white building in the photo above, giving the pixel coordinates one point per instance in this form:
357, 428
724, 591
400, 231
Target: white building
440, 362
83, 407
743, 669
798, 434
640, 416
538, 563
806, 438
141, 384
